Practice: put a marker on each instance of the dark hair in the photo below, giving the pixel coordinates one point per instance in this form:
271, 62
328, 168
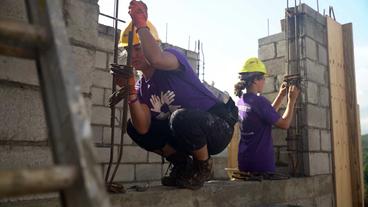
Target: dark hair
246, 80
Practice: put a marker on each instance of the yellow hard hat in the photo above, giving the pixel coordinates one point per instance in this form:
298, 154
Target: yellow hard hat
123, 41
253, 64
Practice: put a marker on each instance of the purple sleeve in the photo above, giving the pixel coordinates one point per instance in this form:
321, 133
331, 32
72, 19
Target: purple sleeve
181, 58
267, 112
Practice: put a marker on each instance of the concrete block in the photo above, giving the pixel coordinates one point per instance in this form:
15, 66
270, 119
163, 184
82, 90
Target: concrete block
104, 154
313, 13
324, 96
101, 60
133, 154
276, 66
110, 60
312, 93
22, 115
266, 52
322, 55
314, 140
88, 107
319, 163
97, 96
269, 85
219, 165
316, 72
16, 157
310, 48
272, 38
18, 70
101, 115
281, 157
313, 29
117, 134
326, 144
15, 10
154, 158
83, 59
325, 201
281, 48
125, 173
317, 116
148, 172
81, 21
105, 43
279, 137
97, 133
102, 79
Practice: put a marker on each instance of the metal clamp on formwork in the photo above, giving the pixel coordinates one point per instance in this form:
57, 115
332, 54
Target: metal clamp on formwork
293, 79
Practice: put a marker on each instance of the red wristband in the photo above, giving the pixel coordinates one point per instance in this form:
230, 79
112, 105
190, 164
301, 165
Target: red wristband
133, 101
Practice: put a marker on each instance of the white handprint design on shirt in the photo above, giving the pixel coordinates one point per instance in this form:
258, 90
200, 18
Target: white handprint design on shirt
165, 98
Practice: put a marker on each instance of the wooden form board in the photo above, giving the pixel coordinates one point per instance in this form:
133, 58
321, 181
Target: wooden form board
343, 116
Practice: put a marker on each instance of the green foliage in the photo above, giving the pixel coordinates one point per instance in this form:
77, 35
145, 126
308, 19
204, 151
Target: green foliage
365, 163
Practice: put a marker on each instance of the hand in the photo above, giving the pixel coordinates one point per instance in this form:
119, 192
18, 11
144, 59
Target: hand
156, 103
138, 12
283, 89
120, 81
167, 97
293, 93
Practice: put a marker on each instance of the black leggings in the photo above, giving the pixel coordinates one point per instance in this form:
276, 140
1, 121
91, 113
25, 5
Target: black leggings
186, 131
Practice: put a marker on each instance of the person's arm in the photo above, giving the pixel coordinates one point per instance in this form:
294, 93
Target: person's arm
140, 114
285, 121
152, 52
280, 96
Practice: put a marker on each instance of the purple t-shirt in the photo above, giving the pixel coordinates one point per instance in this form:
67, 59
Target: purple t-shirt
167, 91
256, 153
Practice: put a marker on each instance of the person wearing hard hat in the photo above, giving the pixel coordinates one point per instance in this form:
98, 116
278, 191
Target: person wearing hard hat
172, 113
257, 115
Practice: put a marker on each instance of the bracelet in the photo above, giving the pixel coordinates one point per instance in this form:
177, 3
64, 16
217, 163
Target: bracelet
133, 101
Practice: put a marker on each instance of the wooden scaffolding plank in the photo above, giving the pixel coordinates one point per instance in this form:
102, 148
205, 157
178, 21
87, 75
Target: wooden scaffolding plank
352, 116
340, 134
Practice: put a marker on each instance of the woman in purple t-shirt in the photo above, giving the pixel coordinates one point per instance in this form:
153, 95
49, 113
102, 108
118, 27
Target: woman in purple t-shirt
172, 113
257, 115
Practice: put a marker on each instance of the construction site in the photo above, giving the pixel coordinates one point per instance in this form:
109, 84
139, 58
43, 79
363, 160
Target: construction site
62, 144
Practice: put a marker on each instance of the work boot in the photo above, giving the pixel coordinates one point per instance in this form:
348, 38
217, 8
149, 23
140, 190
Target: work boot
202, 172
180, 165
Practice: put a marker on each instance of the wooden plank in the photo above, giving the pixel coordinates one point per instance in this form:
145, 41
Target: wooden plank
232, 150
341, 161
352, 116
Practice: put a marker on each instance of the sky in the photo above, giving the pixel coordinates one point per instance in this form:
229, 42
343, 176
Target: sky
229, 31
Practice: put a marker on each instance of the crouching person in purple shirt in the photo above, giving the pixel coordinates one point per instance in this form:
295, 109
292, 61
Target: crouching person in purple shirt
257, 115
172, 113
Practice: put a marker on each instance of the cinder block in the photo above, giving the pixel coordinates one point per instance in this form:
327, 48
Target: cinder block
88, 107
125, 173
22, 115
310, 48
105, 43
324, 96
279, 137
16, 157
97, 133
270, 85
81, 21
101, 115
281, 157
266, 52
83, 59
275, 66
317, 116
313, 29
281, 48
312, 92
117, 134
219, 165
133, 154
154, 158
272, 38
325, 201
326, 144
104, 154
15, 10
101, 60
97, 96
102, 79
148, 172
313, 14
18, 70
319, 163
316, 72
322, 55
314, 140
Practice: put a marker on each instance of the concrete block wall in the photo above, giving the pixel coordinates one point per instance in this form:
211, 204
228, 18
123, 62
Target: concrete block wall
312, 146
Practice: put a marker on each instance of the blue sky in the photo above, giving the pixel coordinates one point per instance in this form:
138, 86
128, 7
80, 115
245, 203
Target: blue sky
230, 31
